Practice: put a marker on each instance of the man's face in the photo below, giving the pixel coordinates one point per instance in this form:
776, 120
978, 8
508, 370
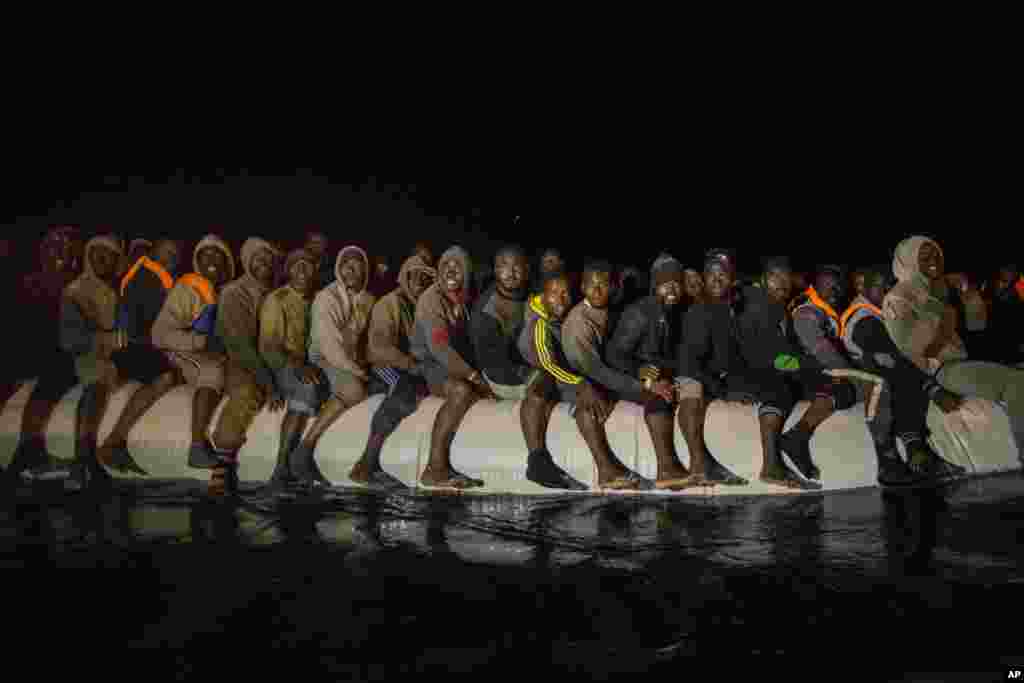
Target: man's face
930, 262
551, 262
104, 261
557, 297
213, 265
300, 276
718, 280
858, 283
596, 288
427, 256
693, 285
669, 292
828, 287
418, 283
353, 272
452, 275
779, 285
167, 254
1006, 279
316, 244
511, 272
262, 265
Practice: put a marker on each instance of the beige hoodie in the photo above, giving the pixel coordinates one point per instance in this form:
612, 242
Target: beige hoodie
96, 303
340, 318
172, 329
393, 318
916, 314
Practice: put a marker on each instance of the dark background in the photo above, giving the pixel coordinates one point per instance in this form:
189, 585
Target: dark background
844, 203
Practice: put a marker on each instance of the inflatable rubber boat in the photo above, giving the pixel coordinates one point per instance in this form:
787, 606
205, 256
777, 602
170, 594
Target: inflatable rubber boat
490, 444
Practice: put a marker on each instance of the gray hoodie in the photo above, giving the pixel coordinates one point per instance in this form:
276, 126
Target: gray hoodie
440, 341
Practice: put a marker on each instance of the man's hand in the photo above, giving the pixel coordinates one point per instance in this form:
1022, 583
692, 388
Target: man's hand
591, 398
307, 374
947, 401
649, 372
482, 386
665, 389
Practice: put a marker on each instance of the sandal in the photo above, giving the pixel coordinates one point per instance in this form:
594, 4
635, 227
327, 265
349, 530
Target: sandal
678, 483
456, 482
631, 481
791, 481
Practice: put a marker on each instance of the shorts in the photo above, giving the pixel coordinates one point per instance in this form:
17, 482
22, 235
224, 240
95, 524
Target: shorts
141, 362
200, 369
342, 383
516, 392
303, 399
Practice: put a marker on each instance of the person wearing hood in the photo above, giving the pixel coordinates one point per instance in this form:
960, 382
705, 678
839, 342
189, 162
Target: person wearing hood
541, 343
248, 379
87, 332
184, 331
903, 409
445, 359
712, 365
39, 301
144, 289
319, 246
337, 346
285, 336
923, 326
495, 326
392, 321
644, 347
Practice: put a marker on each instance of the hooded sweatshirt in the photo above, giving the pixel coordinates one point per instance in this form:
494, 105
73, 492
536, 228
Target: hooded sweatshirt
648, 332
495, 327
238, 315
191, 297
285, 323
393, 318
540, 343
916, 314
89, 308
440, 340
340, 317
764, 336
144, 289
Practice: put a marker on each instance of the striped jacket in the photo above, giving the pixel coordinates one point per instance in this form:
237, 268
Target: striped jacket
540, 343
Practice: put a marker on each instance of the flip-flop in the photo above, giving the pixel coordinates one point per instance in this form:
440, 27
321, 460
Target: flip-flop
679, 483
456, 482
631, 481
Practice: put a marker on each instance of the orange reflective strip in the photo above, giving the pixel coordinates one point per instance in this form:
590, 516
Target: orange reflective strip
201, 286
812, 294
151, 266
853, 309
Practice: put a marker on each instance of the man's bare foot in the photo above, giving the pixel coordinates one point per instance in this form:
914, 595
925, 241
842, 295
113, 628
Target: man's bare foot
675, 478
448, 479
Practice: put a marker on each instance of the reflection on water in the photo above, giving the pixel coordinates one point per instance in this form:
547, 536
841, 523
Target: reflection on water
600, 583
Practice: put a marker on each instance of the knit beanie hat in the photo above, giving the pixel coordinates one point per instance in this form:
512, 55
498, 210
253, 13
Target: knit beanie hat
665, 269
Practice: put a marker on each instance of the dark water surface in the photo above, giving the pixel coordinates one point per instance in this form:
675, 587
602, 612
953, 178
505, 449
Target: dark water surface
861, 581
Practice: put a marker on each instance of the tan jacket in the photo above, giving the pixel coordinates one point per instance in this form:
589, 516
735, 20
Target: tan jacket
284, 328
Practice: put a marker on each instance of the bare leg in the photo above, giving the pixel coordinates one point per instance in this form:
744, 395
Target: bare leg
609, 468
402, 403
460, 397
692, 413
141, 401
204, 402
332, 409
662, 428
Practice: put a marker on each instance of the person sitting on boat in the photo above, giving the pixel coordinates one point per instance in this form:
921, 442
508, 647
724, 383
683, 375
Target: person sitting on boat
923, 326
184, 331
495, 325
645, 347
248, 380
319, 246
389, 335
712, 365
902, 410
144, 289
340, 317
425, 254
1006, 343
763, 326
39, 300
87, 331
444, 355
283, 341
541, 344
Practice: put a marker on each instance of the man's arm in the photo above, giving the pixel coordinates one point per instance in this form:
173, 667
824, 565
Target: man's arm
814, 341
548, 356
622, 348
382, 345
582, 352
239, 331
435, 329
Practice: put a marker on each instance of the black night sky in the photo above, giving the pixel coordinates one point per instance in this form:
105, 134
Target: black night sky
836, 205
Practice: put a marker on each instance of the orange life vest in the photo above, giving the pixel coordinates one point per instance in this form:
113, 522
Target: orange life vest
201, 286
152, 266
853, 309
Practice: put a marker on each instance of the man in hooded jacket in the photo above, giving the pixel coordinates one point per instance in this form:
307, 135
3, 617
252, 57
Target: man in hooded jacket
340, 316
184, 331
923, 326
248, 380
388, 350
444, 356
